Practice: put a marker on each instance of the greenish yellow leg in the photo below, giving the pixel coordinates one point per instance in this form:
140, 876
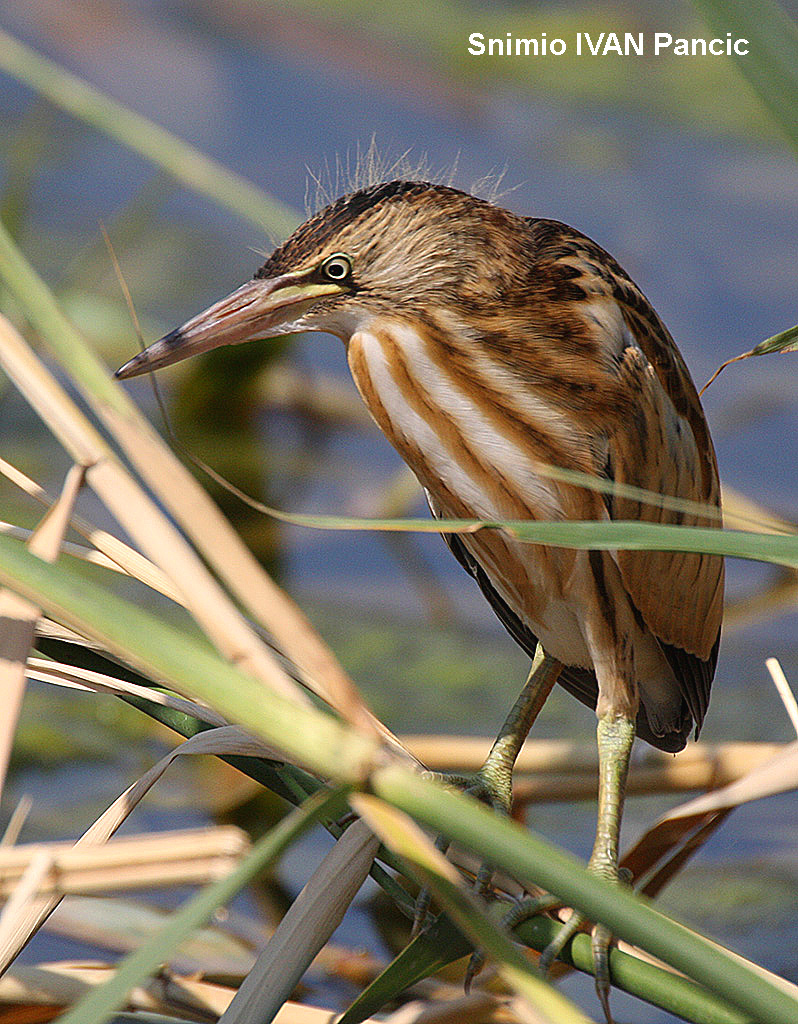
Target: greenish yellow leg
496, 774
616, 736
493, 783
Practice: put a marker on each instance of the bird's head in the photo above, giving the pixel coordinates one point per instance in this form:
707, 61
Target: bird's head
400, 248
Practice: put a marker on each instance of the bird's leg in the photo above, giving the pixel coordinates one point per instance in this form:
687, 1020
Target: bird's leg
616, 735
496, 774
493, 783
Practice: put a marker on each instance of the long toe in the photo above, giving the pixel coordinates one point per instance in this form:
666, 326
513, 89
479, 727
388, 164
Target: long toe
557, 944
424, 898
601, 940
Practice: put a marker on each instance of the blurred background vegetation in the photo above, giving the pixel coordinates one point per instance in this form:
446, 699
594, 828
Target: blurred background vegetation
670, 163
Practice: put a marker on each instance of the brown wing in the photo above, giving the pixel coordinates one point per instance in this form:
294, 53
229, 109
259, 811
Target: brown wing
665, 447
579, 682
650, 432
640, 396
577, 332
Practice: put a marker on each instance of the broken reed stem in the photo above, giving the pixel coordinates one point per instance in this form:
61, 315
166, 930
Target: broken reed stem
549, 770
185, 857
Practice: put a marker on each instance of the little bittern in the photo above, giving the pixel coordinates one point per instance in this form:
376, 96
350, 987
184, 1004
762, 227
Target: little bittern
488, 346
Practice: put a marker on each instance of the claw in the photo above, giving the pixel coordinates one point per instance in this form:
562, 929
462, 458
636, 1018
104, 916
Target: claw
528, 907
482, 788
483, 879
555, 947
600, 942
519, 912
420, 911
604, 998
475, 965
479, 786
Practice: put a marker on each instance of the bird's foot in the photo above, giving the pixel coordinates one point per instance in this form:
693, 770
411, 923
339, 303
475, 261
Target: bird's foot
491, 785
601, 938
491, 788
521, 910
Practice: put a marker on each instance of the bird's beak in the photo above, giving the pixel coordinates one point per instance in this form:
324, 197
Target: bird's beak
261, 308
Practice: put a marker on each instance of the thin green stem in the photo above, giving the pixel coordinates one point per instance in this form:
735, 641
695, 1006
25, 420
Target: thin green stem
535, 862
134, 131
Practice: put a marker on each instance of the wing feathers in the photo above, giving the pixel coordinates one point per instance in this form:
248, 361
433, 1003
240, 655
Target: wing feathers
693, 674
596, 350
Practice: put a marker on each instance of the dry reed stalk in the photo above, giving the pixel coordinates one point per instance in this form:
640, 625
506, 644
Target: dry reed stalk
185, 857
743, 513
90, 555
20, 616
105, 549
29, 915
73, 677
141, 517
563, 770
24, 894
15, 823
62, 984
784, 691
779, 593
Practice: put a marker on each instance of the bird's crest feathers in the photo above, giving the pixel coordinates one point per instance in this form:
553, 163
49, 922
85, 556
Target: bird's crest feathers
368, 166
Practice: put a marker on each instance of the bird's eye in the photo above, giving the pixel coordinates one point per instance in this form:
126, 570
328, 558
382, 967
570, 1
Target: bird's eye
337, 268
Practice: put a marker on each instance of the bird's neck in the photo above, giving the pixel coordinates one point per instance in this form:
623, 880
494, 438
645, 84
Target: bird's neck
467, 425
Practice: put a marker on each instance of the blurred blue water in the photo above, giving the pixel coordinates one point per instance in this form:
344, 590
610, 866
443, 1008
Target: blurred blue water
707, 226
